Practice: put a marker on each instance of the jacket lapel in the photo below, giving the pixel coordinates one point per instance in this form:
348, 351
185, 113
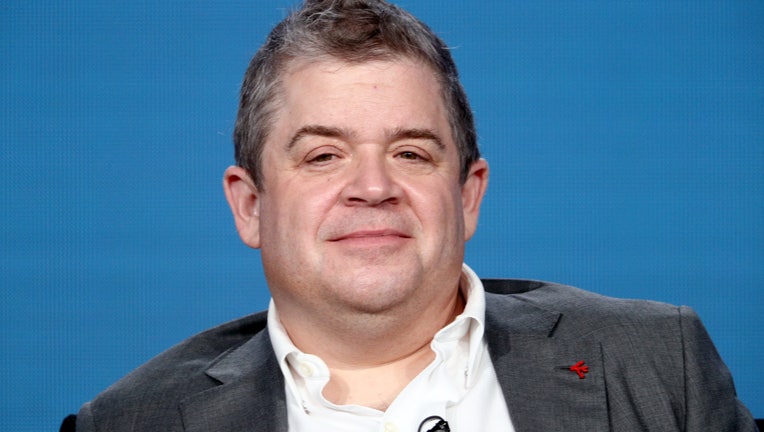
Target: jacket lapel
533, 368
249, 397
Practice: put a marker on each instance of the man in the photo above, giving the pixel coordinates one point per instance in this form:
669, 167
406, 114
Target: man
359, 179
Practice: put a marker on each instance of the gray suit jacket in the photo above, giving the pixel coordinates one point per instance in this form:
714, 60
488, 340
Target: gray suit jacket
652, 367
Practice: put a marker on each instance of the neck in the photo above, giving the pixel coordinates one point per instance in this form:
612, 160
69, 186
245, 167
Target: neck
376, 386
372, 357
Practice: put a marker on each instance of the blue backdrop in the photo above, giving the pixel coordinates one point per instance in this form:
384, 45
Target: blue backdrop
626, 141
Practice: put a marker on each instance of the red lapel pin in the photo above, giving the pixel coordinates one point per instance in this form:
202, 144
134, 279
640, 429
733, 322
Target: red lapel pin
580, 368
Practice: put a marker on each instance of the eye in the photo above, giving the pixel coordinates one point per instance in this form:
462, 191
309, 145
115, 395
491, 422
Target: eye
413, 155
323, 157
410, 155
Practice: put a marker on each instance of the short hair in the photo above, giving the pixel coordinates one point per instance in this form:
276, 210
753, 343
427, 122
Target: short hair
353, 31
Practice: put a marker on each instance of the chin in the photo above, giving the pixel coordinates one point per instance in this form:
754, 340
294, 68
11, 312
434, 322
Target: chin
367, 295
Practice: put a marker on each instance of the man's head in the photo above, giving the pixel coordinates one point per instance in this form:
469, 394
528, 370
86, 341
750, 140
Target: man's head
351, 31
363, 195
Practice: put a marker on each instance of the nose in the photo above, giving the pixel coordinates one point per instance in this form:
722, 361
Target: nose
371, 182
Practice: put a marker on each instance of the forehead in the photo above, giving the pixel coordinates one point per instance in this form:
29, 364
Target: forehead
328, 63
394, 92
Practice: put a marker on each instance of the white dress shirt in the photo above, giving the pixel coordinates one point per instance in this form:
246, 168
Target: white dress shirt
460, 384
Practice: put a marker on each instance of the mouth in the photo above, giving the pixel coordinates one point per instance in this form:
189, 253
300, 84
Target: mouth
370, 235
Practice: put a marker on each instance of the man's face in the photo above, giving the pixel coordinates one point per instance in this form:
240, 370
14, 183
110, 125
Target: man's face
361, 208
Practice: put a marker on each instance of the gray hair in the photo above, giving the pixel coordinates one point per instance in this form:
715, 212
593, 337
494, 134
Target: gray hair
352, 31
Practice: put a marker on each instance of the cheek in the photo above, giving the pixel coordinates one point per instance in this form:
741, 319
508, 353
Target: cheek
299, 209
438, 193
439, 209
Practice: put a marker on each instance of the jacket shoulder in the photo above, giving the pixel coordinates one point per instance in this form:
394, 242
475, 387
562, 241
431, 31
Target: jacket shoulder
575, 302
157, 387
195, 354
582, 312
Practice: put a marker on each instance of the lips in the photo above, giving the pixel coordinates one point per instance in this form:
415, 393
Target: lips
370, 234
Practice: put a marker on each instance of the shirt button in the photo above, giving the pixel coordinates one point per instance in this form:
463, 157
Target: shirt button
305, 369
391, 427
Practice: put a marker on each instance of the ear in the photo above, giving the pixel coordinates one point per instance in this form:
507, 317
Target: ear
473, 190
242, 196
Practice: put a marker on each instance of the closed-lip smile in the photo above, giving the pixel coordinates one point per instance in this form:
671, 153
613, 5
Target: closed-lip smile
370, 235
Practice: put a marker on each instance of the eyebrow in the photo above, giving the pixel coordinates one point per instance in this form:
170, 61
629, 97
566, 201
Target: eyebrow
392, 136
414, 133
318, 130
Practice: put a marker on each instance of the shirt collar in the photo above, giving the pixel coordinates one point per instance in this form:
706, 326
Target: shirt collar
469, 326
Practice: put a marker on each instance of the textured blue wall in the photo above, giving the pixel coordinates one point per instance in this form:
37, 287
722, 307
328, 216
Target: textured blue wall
626, 141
